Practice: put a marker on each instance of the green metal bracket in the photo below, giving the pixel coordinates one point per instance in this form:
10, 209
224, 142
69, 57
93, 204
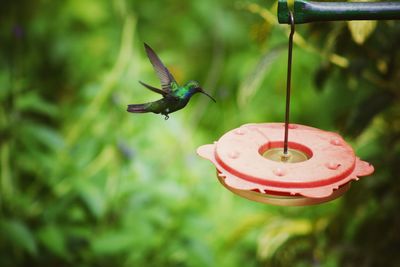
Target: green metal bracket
308, 11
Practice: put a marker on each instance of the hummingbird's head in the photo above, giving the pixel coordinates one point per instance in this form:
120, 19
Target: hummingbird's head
194, 87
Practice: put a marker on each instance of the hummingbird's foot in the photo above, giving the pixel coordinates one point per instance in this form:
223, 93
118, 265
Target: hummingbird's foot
166, 117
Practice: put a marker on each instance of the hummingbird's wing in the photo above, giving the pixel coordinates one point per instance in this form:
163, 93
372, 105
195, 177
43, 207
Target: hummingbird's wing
163, 73
156, 90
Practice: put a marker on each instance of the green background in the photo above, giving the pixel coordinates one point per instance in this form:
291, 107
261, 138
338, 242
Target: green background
84, 183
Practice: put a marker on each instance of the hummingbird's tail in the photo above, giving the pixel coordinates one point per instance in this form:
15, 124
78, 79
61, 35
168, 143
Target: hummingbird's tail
138, 108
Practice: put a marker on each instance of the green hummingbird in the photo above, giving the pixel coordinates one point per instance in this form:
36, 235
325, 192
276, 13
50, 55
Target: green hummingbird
175, 97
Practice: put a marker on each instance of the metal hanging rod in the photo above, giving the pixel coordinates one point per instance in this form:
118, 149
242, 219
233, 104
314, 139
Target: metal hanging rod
309, 11
288, 85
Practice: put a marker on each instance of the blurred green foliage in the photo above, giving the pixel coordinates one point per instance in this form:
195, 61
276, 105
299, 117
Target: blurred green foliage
84, 183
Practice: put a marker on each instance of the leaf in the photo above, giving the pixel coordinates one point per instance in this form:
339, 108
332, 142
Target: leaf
248, 88
44, 135
90, 12
52, 238
94, 200
113, 242
19, 235
33, 102
277, 232
366, 110
361, 30
321, 76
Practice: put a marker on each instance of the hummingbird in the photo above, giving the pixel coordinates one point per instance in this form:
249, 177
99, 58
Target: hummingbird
175, 97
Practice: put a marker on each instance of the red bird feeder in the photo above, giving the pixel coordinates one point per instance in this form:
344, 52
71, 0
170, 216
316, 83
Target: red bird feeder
254, 161
319, 167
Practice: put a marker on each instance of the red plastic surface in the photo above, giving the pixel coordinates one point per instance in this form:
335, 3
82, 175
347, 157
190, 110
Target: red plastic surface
238, 158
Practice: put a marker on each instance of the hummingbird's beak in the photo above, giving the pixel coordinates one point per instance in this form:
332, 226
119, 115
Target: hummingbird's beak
203, 92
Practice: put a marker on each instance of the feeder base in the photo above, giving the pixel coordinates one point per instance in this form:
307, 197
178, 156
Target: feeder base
284, 200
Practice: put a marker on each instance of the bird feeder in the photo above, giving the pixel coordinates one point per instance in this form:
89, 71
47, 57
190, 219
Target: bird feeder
262, 163
318, 167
